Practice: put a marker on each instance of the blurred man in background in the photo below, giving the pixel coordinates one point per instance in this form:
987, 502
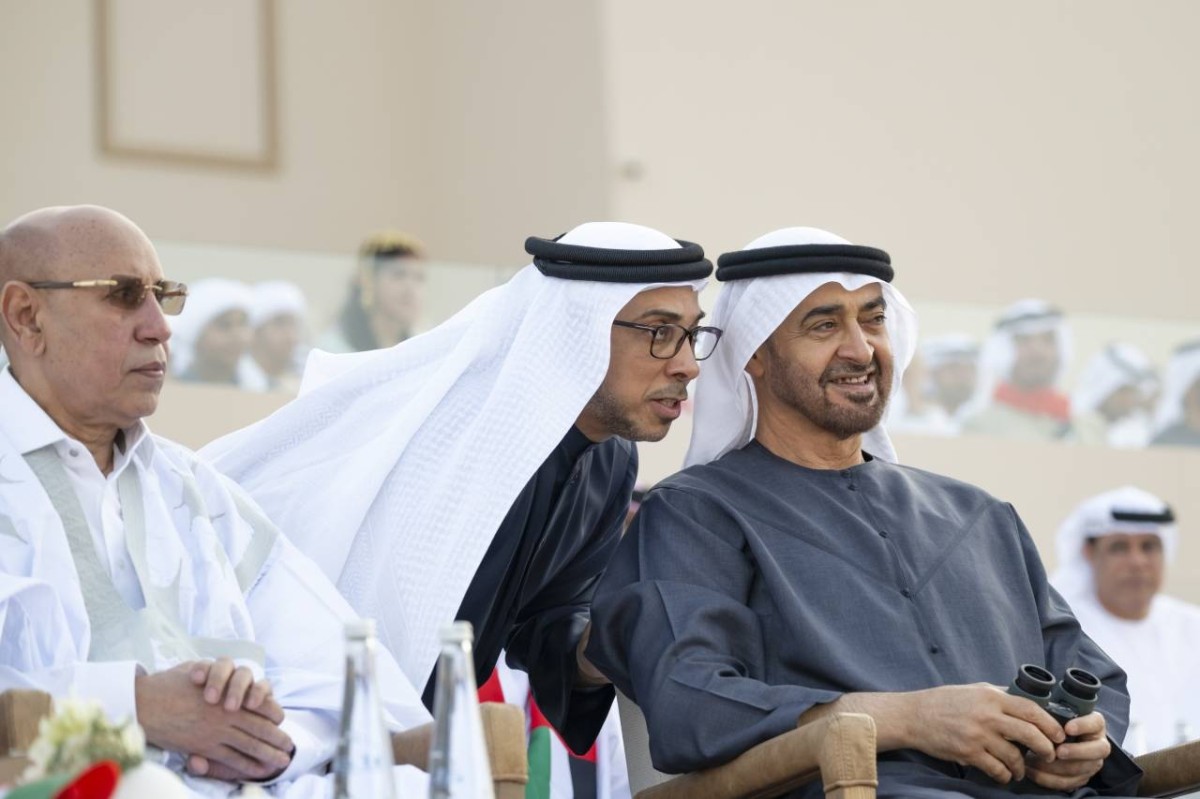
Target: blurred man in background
1113, 403
385, 297
1113, 551
212, 336
1178, 417
279, 320
1023, 362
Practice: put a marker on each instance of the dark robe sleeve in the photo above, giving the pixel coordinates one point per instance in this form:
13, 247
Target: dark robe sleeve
1068, 646
673, 629
546, 635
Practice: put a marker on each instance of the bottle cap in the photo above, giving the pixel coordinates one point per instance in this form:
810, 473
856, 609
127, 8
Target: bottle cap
360, 628
457, 632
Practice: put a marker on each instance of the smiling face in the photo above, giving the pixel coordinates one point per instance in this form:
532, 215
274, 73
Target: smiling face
641, 394
89, 362
827, 368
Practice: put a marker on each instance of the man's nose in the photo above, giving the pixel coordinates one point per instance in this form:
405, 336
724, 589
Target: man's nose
152, 322
684, 364
854, 345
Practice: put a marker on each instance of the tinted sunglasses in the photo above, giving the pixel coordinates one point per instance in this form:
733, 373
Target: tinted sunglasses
128, 292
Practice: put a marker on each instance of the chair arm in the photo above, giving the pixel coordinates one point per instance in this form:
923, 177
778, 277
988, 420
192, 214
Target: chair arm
20, 712
504, 729
839, 748
1170, 772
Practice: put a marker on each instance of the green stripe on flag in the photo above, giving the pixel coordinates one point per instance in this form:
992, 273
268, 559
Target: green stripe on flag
538, 786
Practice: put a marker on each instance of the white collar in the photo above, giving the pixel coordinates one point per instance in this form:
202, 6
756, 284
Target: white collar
28, 427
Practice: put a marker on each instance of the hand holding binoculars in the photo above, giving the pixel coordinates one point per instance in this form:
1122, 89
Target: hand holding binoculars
1072, 696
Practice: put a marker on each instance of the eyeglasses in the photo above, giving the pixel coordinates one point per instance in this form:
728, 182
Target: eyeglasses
128, 292
667, 340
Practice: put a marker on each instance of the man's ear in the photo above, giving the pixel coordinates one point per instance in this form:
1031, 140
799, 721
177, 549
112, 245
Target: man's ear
756, 366
20, 317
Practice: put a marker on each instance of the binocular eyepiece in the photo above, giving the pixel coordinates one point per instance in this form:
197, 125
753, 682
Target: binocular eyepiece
1074, 695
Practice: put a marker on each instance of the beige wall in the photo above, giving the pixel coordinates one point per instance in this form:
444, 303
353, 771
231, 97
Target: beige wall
998, 149
471, 124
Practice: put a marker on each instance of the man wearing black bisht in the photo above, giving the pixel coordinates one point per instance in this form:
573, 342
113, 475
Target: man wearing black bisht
482, 471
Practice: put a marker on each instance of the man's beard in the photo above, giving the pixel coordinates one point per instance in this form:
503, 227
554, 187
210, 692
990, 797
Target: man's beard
618, 420
797, 389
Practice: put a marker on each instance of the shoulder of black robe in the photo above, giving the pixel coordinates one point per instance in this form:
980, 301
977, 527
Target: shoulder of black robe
556, 609
533, 588
726, 613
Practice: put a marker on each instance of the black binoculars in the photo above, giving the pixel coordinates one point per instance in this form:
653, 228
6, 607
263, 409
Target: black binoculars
1074, 695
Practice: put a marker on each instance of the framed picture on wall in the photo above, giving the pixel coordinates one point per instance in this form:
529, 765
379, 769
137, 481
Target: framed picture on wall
188, 83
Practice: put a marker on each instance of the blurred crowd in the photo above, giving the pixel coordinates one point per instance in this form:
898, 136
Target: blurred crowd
1013, 384
257, 337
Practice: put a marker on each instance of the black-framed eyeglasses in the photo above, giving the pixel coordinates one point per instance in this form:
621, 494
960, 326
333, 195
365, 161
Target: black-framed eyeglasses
127, 291
667, 340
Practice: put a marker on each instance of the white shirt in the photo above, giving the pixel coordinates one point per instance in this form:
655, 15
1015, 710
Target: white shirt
1161, 656
286, 605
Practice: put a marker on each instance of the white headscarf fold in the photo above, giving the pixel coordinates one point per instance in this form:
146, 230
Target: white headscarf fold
394, 468
749, 311
1093, 518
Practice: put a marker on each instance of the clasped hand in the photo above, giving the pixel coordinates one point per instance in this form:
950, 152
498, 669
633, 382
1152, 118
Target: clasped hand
217, 714
982, 726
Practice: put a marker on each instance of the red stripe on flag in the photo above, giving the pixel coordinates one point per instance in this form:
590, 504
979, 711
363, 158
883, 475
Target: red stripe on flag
492, 690
538, 719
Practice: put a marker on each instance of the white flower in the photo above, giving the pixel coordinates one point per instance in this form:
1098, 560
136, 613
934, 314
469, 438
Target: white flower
78, 734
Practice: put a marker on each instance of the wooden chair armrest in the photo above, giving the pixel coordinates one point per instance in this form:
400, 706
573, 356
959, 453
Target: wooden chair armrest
839, 748
504, 736
20, 712
1170, 772
504, 729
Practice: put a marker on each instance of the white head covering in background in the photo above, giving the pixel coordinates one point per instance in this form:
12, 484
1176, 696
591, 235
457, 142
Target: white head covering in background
1126, 510
394, 468
999, 353
1159, 653
207, 299
1182, 372
1116, 366
277, 298
949, 348
749, 310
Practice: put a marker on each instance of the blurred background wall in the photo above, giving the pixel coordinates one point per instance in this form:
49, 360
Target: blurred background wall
998, 149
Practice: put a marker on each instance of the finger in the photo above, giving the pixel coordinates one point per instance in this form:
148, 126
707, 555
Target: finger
1085, 750
239, 684
218, 675
261, 729
1009, 755
992, 767
1050, 777
219, 771
1089, 726
271, 710
259, 692
199, 672
1030, 735
1027, 710
231, 758
198, 765
260, 751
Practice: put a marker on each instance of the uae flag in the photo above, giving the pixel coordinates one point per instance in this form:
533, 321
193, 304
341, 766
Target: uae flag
555, 772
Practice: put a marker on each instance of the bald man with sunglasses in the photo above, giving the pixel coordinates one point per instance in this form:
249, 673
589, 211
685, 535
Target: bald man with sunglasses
130, 571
